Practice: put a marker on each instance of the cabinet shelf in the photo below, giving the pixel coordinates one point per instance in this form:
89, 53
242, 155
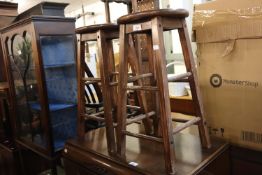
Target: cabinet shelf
63, 122
59, 65
29, 82
52, 106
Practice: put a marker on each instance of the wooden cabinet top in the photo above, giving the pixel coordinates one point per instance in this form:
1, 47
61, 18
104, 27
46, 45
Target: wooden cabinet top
8, 9
8, 13
147, 155
44, 9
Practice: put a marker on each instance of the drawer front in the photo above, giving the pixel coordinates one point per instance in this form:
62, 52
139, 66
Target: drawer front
8, 165
96, 164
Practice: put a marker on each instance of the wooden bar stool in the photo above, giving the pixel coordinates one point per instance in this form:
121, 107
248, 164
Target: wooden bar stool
154, 23
103, 34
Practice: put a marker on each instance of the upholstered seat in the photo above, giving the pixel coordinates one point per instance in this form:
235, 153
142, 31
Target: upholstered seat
142, 16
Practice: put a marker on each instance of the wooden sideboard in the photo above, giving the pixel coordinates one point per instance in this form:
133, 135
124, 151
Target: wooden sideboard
182, 104
90, 156
9, 159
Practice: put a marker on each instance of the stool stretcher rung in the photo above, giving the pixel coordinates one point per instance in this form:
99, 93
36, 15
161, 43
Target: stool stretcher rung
139, 117
142, 88
180, 120
135, 78
92, 82
186, 125
91, 79
185, 80
114, 83
114, 73
117, 73
179, 77
94, 116
133, 107
143, 136
98, 113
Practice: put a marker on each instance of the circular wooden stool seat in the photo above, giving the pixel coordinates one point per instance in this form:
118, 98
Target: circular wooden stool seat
142, 16
94, 28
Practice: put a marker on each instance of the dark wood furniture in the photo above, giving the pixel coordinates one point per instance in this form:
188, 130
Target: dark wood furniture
144, 157
20, 161
8, 13
5, 121
144, 5
9, 158
154, 23
245, 161
184, 105
39, 55
9, 155
44, 8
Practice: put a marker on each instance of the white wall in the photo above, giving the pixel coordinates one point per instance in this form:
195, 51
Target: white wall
188, 5
116, 10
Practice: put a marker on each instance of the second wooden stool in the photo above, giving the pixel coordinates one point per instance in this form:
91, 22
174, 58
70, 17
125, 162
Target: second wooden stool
154, 23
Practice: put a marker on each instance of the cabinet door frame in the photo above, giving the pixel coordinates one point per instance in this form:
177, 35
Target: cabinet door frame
10, 33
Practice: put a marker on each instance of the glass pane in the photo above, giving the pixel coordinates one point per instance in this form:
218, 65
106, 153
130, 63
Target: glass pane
27, 98
60, 73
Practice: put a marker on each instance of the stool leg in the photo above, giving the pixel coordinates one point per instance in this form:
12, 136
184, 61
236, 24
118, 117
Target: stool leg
107, 98
111, 68
81, 90
154, 96
134, 61
190, 66
122, 96
164, 101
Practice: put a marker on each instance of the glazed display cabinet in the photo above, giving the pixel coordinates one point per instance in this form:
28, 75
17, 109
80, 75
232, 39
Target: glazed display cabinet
39, 53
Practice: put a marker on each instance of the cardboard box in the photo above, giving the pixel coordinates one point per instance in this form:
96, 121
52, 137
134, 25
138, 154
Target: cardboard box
229, 49
226, 5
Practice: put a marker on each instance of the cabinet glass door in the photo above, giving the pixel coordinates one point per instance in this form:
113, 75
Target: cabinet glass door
58, 54
28, 109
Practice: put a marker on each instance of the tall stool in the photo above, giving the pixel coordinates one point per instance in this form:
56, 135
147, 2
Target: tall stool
103, 34
154, 23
